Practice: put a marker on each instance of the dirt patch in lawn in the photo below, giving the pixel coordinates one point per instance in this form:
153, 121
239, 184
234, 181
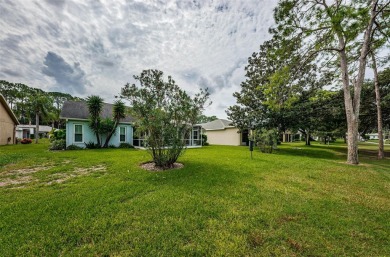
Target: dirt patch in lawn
150, 166
77, 172
14, 177
20, 177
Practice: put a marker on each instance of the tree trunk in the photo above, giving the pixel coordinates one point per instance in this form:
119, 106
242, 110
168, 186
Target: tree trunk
110, 135
378, 108
352, 105
307, 137
36, 127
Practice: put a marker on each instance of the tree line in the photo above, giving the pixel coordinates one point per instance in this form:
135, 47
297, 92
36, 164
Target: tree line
315, 46
30, 103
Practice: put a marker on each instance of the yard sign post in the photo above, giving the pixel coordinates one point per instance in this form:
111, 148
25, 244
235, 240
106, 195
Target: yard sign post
251, 147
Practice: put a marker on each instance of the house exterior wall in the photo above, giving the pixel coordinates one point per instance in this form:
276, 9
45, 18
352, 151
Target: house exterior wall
228, 136
7, 126
89, 136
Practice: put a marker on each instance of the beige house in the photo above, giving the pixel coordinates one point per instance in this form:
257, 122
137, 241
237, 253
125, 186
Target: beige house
222, 132
8, 123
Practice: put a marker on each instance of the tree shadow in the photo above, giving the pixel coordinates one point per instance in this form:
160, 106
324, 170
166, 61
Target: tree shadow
315, 151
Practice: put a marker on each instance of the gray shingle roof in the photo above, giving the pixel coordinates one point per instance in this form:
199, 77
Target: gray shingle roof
79, 110
217, 124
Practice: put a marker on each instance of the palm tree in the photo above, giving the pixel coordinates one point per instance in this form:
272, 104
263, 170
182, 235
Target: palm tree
40, 105
119, 110
95, 106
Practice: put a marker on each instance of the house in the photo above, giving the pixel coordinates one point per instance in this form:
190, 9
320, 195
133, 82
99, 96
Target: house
192, 140
222, 132
25, 131
373, 136
8, 123
78, 132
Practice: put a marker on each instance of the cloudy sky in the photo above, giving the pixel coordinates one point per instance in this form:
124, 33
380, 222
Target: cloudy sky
96, 46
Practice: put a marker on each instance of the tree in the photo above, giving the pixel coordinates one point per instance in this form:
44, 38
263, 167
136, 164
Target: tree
275, 84
119, 112
40, 105
340, 29
95, 106
204, 119
164, 113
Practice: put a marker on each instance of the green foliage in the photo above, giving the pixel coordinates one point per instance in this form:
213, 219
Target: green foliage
58, 144
107, 126
95, 106
125, 145
164, 113
204, 140
74, 147
57, 134
19, 96
204, 119
92, 145
119, 112
266, 140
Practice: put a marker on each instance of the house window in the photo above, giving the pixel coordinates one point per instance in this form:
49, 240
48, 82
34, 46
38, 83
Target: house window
78, 133
195, 135
122, 134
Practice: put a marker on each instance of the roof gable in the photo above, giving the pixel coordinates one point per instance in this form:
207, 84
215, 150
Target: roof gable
219, 124
79, 110
8, 109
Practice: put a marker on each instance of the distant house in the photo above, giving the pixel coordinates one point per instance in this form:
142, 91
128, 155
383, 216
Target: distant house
222, 132
373, 136
78, 132
25, 131
8, 123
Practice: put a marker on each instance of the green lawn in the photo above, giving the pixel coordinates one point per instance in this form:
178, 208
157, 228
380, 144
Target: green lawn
301, 201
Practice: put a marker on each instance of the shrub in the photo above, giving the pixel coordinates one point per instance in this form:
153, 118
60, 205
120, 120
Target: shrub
32, 136
57, 134
112, 146
125, 145
26, 141
58, 144
204, 140
92, 145
266, 140
74, 147
164, 113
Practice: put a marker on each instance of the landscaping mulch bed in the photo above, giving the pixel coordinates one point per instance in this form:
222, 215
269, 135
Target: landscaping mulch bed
150, 166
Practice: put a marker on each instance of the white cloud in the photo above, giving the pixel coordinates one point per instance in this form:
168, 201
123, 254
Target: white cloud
199, 43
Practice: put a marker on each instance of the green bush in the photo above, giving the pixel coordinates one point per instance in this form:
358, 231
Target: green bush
266, 140
74, 147
125, 145
57, 134
112, 146
204, 140
58, 144
92, 145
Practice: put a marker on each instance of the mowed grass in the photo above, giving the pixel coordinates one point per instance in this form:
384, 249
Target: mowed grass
300, 201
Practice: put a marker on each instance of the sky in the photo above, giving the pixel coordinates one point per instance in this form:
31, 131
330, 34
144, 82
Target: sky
94, 47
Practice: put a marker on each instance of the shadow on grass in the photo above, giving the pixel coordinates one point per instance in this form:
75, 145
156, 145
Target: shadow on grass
337, 151
315, 151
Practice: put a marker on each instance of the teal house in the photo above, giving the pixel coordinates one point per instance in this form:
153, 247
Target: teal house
78, 132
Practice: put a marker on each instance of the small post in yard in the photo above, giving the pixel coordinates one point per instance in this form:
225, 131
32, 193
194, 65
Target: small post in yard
251, 147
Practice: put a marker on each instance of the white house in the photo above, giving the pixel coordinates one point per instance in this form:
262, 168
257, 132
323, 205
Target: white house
25, 131
222, 132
